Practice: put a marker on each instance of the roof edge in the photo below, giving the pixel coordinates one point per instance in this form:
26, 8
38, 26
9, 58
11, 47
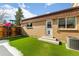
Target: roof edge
51, 13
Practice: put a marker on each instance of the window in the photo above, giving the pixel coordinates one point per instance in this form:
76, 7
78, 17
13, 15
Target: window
62, 23
69, 22
29, 25
49, 32
49, 25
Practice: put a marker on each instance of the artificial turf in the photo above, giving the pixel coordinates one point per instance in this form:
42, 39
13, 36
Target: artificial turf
30, 46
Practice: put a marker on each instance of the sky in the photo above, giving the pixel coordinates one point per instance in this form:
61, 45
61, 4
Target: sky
31, 9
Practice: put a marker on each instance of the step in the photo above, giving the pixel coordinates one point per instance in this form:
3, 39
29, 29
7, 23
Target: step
49, 41
49, 38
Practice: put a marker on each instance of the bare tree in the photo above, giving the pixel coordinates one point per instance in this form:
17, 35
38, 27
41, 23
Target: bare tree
3, 14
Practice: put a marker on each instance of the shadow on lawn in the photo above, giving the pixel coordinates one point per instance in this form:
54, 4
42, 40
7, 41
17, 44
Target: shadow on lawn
16, 38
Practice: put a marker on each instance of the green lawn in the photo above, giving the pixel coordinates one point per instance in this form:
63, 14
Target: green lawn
30, 46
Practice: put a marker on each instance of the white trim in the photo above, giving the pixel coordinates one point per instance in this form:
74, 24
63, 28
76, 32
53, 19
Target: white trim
66, 24
51, 29
67, 45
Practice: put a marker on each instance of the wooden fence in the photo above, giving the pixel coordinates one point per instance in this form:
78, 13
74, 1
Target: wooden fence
7, 32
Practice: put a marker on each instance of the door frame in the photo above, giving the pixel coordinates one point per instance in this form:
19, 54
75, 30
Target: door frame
50, 29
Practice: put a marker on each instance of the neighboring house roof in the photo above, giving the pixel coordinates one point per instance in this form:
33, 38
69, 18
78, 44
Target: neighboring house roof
65, 10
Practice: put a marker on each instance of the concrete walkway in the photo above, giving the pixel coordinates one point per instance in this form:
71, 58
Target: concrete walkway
4, 51
7, 50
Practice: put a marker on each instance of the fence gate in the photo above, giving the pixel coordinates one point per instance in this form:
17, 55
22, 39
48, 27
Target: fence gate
18, 31
9, 31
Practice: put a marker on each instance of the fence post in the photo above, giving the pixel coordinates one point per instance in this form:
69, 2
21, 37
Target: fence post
13, 31
1, 32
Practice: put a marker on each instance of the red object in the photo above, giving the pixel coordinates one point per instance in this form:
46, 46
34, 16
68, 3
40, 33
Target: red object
7, 24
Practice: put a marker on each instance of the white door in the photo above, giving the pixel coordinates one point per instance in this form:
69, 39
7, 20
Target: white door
49, 29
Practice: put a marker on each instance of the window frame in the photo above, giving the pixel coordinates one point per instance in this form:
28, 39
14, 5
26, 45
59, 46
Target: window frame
58, 22
49, 24
28, 27
70, 19
66, 24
